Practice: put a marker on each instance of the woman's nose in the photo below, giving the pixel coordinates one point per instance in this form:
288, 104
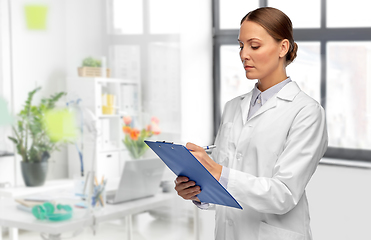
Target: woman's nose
244, 54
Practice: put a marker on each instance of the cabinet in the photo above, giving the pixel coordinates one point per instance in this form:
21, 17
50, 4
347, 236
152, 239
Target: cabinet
102, 102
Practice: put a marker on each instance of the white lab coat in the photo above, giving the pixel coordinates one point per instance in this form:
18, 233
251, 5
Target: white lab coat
271, 157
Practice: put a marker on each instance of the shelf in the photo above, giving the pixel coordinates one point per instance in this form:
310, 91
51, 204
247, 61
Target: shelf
6, 154
133, 114
115, 80
127, 101
107, 80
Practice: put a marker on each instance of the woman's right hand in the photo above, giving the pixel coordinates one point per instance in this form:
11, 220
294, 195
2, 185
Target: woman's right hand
187, 189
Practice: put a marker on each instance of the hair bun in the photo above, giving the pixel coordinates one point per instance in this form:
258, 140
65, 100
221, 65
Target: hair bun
291, 55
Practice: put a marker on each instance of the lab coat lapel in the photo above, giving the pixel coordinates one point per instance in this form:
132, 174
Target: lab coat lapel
271, 103
245, 106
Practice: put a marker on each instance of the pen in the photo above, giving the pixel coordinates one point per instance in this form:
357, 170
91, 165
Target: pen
209, 147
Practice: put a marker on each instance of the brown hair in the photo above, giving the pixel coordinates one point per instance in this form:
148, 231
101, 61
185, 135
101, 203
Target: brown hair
277, 24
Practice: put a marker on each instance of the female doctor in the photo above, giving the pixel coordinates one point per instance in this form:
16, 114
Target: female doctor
269, 142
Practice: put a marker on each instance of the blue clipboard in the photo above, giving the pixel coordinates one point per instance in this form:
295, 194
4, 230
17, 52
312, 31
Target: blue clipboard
183, 163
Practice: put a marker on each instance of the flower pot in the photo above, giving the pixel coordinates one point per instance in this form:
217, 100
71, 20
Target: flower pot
34, 173
92, 72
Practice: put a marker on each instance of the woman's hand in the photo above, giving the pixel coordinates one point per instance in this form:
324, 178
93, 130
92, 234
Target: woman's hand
199, 153
187, 189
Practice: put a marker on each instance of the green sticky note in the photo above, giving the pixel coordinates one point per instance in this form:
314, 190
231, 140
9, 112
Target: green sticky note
60, 125
36, 17
5, 117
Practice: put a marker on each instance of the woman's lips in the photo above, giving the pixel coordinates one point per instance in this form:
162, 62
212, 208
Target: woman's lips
248, 67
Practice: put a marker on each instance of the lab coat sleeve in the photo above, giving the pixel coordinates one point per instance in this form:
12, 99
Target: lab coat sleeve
305, 145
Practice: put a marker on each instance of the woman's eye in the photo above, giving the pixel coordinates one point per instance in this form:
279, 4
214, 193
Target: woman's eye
255, 47
241, 47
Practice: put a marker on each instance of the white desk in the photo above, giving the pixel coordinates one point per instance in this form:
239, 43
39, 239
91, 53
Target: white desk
13, 218
18, 191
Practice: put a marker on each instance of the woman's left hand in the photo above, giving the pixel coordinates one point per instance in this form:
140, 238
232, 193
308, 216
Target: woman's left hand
199, 153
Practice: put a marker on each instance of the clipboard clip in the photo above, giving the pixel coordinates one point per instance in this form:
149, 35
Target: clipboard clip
164, 142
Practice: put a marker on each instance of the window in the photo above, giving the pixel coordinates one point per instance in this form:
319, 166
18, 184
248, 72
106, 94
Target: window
127, 17
348, 94
238, 8
342, 14
333, 65
303, 14
306, 68
232, 75
143, 45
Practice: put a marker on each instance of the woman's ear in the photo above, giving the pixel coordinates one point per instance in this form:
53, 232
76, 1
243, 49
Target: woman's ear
285, 45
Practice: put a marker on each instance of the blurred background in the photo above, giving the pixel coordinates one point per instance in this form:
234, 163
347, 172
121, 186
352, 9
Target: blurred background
172, 65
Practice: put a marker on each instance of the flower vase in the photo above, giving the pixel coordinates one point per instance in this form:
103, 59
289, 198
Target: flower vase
135, 136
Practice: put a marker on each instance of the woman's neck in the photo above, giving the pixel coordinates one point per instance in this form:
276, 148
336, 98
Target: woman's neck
269, 81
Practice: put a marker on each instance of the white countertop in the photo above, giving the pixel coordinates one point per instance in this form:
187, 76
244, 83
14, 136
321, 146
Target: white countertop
12, 217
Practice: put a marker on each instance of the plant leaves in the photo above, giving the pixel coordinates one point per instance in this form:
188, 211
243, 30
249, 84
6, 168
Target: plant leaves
13, 140
31, 139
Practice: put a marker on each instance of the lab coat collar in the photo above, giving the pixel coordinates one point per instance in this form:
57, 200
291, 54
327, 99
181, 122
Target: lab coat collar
288, 93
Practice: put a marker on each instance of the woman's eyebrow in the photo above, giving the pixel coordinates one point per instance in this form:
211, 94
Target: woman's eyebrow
251, 39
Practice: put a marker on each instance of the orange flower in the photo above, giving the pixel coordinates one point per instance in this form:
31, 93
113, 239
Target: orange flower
127, 120
134, 134
133, 139
126, 129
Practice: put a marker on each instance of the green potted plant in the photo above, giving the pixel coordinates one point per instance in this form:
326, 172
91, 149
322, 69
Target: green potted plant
92, 67
32, 140
91, 62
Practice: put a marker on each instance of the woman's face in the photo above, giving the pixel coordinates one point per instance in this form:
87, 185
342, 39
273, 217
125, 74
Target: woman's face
260, 53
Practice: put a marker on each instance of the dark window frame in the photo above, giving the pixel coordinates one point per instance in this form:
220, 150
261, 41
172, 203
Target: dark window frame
322, 35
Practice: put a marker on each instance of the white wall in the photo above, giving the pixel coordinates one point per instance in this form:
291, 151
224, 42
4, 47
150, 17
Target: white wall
39, 60
340, 203
196, 73
46, 57
6, 163
84, 36
38, 55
